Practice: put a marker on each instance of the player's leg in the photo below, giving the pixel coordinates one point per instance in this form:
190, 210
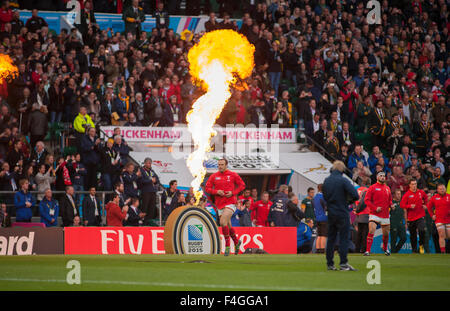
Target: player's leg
412, 228
401, 231
372, 229
442, 235
385, 230
422, 232
225, 219
393, 235
332, 233
236, 241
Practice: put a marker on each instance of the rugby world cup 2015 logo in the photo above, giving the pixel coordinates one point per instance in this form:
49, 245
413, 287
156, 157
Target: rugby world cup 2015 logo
195, 238
191, 230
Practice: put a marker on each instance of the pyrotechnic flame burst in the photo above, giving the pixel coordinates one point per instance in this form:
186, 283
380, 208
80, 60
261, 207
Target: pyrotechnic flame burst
7, 69
217, 60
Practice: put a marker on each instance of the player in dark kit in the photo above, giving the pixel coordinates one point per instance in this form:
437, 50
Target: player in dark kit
224, 186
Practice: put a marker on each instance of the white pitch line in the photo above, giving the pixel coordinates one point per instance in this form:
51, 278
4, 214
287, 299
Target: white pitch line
250, 287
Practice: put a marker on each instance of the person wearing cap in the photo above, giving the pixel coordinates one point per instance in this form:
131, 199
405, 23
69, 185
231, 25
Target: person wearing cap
149, 182
379, 199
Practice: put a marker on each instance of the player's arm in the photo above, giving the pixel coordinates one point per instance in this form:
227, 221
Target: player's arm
430, 205
404, 202
209, 187
368, 199
239, 184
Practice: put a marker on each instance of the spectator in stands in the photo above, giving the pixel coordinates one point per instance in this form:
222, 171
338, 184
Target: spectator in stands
130, 180
149, 184
121, 149
90, 151
356, 156
38, 154
92, 211
23, 202
169, 199
243, 213
44, 178
83, 122
49, 209
110, 165
68, 209
134, 216
115, 215
35, 22
162, 17
133, 16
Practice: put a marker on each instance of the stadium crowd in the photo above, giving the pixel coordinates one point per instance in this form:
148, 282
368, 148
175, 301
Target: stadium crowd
374, 96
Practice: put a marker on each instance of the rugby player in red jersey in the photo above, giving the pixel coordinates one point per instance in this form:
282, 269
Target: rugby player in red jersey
378, 199
224, 186
439, 209
260, 210
414, 202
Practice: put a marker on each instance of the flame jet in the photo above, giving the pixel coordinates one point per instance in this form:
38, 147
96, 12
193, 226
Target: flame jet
217, 60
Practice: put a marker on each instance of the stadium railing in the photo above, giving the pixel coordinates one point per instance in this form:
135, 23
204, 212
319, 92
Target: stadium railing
103, 201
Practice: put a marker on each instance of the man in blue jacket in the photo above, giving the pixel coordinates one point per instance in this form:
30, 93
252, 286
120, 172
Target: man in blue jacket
49, 210
149, 183
339, 193
320, 212
23, 201
304, 236
279, 207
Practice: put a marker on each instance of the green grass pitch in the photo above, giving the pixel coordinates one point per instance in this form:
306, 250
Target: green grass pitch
216, 272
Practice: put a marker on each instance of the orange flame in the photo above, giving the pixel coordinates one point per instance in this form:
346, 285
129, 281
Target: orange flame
217, 60
8, 71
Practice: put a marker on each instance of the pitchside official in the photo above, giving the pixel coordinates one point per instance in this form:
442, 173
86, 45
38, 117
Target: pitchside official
338, 193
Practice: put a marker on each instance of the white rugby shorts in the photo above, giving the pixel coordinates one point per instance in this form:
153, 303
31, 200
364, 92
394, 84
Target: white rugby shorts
381, 221
229, 206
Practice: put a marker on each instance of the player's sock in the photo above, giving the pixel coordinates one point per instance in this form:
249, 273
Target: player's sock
226, 234
385, 242
369, 242
443, 250
233, 235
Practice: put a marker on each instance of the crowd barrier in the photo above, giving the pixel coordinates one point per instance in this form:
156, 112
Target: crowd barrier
143, 240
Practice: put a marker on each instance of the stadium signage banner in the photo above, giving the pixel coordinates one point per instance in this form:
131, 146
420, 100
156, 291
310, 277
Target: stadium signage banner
31, 241
150, 240
182, 135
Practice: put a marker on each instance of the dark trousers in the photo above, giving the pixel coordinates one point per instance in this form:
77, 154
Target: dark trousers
338, 225
149, 206
398, 232
305, 248
414, 227
361, 237
91, 176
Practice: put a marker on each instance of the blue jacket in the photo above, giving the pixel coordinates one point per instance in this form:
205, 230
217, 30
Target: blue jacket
130, 184
373, 162
319, 206
78, 177
339, 193
89, 151
45, 208
304, 234
146, 183
353, 160
23, 212
123, 150
278, 210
